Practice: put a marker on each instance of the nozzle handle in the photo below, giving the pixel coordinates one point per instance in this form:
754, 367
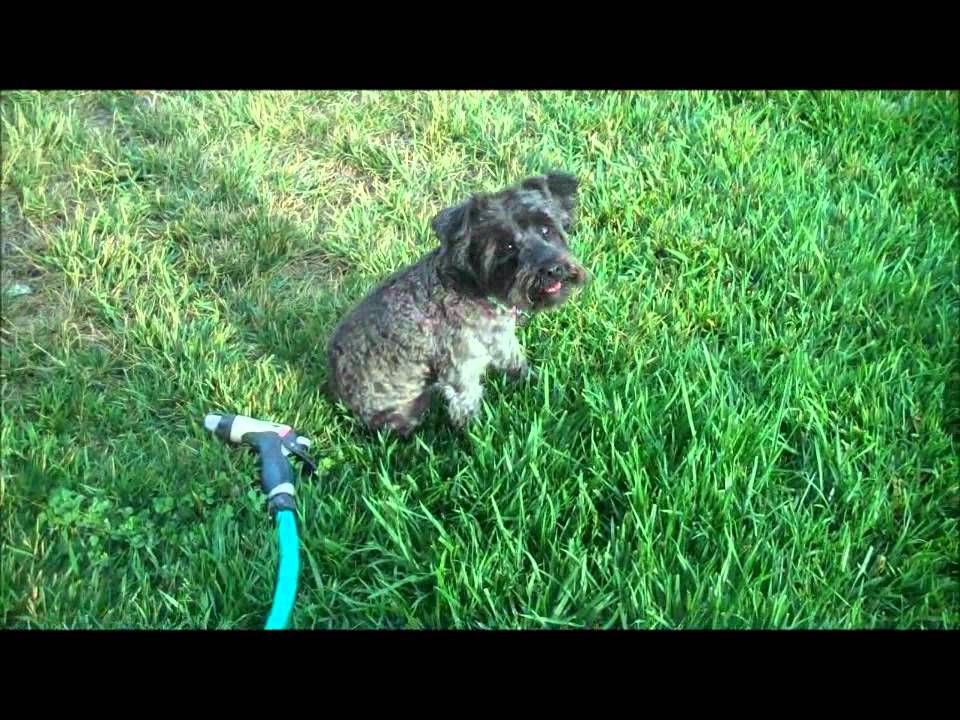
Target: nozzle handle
276, 475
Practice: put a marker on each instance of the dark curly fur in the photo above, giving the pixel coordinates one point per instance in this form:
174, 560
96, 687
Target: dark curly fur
440, 323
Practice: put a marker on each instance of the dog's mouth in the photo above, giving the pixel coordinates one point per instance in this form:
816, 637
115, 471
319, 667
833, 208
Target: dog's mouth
539, 294
541, 291
552, 292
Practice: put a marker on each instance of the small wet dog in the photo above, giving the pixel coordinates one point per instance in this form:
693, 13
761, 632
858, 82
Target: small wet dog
442, 322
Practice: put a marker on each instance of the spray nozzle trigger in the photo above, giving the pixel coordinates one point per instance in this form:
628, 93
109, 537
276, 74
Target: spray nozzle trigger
297, 444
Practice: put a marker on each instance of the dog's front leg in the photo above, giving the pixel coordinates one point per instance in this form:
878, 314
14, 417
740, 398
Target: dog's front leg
508, 357
461, 383
463, 391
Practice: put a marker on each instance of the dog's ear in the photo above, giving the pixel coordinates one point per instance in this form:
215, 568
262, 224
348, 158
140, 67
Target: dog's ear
453, 222
560, 186
453, 225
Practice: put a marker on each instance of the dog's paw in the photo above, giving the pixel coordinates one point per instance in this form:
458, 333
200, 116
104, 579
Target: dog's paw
461, 414
461, 422
395, 423
523, 375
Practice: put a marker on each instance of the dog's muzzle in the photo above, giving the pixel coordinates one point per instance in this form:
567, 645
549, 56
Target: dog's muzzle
554, 276
555, 279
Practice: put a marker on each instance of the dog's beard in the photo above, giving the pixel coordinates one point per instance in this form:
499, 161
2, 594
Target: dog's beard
531, 291
510, 284
544, 293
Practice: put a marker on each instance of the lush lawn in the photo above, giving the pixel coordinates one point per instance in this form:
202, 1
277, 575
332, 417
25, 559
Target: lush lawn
750, 419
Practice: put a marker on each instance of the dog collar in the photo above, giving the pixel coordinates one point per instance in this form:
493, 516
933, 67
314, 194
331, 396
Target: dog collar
513, 310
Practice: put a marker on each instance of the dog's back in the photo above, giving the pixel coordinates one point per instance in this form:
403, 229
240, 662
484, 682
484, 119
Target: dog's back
378, 359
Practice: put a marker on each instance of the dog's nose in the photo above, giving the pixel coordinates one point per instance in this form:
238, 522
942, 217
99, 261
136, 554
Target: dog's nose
558, 271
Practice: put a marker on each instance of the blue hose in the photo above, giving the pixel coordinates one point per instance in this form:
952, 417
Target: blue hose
289, 571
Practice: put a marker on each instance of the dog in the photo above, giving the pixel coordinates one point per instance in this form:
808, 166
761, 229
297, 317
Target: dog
442, 322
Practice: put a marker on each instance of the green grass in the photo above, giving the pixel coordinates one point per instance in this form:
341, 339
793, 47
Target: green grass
749, 420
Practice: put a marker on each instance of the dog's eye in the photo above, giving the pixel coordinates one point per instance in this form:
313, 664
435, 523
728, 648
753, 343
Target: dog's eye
544, 230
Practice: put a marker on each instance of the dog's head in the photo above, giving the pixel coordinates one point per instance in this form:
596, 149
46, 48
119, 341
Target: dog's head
512, 245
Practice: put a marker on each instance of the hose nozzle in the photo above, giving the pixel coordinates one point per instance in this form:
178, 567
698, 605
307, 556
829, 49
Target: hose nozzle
273, 442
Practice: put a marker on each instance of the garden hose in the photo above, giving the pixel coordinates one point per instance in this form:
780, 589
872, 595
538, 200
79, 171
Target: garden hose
273, 443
